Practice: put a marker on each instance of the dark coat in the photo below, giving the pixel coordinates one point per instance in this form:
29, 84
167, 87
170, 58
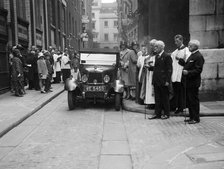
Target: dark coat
194, 66
17, 68
162, 70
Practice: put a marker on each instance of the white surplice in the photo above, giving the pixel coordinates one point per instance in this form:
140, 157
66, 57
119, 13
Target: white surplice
149, 95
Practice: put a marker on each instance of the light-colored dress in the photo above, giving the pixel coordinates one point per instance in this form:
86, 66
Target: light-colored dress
149, 95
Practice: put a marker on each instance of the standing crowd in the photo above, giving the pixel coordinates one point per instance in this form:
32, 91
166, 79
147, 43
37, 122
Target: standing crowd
163, 81
38, 69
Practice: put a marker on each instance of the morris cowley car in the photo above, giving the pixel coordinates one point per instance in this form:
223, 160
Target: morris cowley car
99, 78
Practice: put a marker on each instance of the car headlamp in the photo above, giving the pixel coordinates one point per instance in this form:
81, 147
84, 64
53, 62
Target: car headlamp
84, 78
106, 78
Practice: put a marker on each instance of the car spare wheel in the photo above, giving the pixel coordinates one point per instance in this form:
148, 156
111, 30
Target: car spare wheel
71, 100
117, 101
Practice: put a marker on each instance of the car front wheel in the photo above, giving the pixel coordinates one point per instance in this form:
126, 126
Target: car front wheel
71, 100
117, 101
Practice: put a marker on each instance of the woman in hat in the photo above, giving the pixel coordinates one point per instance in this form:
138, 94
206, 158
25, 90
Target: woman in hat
43, 71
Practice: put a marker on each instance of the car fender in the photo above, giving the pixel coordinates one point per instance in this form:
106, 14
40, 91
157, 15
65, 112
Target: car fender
70, 84
119, 86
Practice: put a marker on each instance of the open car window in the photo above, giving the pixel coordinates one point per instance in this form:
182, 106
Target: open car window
97, 59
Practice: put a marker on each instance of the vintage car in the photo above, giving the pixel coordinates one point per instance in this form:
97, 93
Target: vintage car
99, 78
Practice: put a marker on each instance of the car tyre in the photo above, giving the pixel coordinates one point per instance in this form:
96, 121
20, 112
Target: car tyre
71, 100
117, 101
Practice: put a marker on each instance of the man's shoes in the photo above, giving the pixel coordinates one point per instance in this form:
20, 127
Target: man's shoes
18, 95
154, 117
178, 111
164, 117
42, 92
193, 122
187, 120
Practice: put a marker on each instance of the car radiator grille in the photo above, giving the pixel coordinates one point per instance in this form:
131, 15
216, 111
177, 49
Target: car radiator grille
97, 76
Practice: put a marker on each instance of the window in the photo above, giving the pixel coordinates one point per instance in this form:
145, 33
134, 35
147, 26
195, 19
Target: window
94, 3
106, 37
1, 4
75, 1
105, 23
63, 18
21, 10
95, 35
115, 36
93, 15
59, 15
73, 26
115, 23
70, 22
94, 25
76, 27
52, 13
38, 14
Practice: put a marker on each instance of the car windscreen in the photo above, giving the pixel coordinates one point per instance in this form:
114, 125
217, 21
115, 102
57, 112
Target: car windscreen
97, 59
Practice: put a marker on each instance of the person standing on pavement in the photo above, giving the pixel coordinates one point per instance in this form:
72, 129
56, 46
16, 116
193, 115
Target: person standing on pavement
162, 71
149, 88
57, 66
177, 103
65, 65
132, 75
193, 67
30, 62
50, 71
75, 60
35, 70
141, 73
17, 73
43, 72
124, 65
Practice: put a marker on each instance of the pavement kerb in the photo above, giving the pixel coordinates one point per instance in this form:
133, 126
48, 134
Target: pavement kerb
142, 110
13, 125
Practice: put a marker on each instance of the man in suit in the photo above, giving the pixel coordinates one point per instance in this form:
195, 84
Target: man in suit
192, 73
162, 71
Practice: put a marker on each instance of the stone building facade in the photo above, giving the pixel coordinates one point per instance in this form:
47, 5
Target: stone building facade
42, 23
105, 24
194, 19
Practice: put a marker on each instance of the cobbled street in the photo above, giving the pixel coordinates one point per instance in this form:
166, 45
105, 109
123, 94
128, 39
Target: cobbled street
97, 137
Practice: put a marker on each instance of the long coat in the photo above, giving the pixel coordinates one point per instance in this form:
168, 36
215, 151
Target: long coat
124, 61
133, 58
194, 66
17, 68
42, 68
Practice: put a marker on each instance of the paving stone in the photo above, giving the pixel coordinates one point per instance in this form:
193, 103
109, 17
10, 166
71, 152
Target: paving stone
114, 132
115, 162
115, 147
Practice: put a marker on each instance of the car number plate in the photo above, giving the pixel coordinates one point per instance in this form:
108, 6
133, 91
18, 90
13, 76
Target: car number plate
95, 88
